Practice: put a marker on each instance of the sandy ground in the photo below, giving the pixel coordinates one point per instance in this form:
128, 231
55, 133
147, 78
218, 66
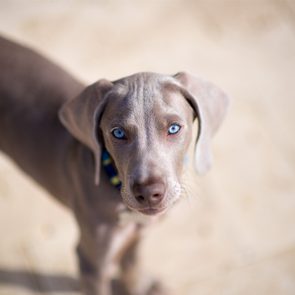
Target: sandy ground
234, 233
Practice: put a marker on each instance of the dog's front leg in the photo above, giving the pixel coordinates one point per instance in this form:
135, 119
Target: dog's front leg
100, 250
132, 276
95, 259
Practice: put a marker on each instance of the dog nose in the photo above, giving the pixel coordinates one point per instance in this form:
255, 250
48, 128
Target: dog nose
149, 194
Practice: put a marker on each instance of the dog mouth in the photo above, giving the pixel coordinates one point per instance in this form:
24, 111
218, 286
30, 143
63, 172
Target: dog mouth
151, 207
152, 211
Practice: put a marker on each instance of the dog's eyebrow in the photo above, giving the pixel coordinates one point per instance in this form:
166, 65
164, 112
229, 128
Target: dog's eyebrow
171, 85
119, 89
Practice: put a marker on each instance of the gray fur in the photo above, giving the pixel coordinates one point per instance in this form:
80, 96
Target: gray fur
64, 158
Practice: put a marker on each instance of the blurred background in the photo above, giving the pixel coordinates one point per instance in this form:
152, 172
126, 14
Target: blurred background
234, 232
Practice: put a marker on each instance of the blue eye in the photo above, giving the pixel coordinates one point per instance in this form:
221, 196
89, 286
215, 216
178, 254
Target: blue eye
173, 129
118, 133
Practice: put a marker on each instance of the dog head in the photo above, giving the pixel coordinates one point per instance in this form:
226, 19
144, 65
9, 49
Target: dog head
145, 123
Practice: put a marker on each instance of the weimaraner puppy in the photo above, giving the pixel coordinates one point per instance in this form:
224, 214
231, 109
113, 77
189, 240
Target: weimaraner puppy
104, 150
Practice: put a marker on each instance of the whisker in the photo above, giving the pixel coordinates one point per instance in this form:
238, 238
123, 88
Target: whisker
190, 191
188, 196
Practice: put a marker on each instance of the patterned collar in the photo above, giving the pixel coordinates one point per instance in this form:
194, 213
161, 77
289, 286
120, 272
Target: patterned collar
110, 169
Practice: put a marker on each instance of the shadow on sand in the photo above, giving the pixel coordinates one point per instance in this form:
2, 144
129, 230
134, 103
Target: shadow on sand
36, 282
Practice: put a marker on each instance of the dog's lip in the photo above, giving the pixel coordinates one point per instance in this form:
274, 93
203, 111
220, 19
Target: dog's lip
152, 211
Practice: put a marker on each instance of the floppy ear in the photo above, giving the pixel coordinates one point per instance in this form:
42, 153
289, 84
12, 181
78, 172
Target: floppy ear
81, 115
210, 105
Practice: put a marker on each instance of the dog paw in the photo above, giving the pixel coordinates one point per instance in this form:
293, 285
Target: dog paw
146, 286
156, 288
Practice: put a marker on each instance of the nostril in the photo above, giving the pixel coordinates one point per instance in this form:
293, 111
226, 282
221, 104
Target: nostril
140, 199
156, 198
149, 194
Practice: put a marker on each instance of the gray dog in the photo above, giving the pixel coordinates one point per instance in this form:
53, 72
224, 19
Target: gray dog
109, 148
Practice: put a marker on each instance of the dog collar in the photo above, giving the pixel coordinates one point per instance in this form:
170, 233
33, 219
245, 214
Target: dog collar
110, 169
